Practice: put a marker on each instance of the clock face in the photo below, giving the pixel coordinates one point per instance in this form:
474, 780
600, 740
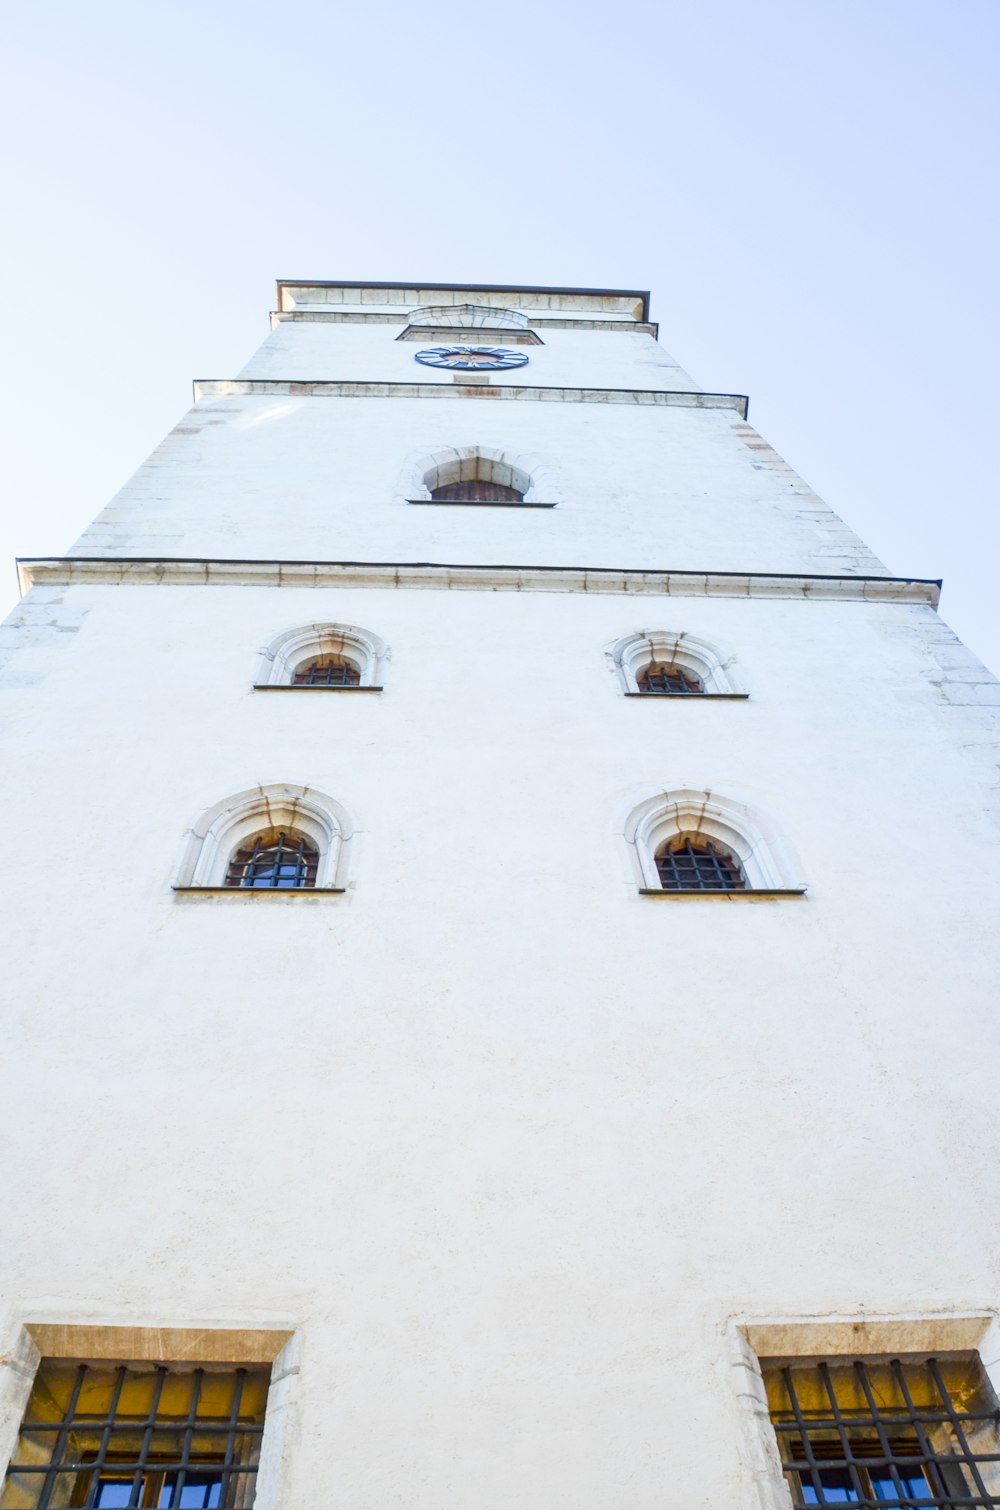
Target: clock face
472, 358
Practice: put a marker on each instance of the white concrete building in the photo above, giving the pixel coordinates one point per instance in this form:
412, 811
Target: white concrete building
387, 1105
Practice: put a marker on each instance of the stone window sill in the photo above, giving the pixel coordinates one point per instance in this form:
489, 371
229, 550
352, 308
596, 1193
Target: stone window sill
473, 503
260, 891
702, 696
751, 894
289, 687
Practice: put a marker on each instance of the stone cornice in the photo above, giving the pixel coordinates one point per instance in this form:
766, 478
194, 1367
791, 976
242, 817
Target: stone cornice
380, 317
185, 572
213, 388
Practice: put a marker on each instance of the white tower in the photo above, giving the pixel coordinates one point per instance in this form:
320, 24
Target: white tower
546, 1059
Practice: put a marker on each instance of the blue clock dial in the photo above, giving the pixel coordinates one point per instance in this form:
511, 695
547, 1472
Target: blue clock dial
472, 358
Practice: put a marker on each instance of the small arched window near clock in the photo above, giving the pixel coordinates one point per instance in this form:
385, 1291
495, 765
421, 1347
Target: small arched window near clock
665, 663
479, 475
476, 490
323, 657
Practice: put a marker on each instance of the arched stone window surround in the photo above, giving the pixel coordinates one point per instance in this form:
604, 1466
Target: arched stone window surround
524, 470
288, 650
767, 860
469, 315
509, 326
226, 826
716, 669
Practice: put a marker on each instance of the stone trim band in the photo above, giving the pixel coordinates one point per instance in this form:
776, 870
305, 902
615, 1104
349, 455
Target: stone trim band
197, 571
215, 388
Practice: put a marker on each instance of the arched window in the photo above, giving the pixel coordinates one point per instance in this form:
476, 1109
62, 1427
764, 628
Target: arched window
324, 657
661, 680
274, 858
327, 671
477, 490
667, 663
479, 475
469, 315
690, 863
269, 839
698, 842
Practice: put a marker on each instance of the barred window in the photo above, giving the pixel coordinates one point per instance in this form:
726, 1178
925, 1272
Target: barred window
668, 681
274, 859
900, 1432
327, 671
107, 1436
476, 491
689, 863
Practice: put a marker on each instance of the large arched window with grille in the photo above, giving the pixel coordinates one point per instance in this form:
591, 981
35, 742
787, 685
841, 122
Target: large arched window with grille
691, 862
269, 840
278, 858
669, 679
699, 843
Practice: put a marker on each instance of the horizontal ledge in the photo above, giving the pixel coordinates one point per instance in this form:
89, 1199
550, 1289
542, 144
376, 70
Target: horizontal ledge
413, 294
213, 388
197, 571
497, 334
260, 891
750, 894
703, 697
290, 687
538, 317
477, 503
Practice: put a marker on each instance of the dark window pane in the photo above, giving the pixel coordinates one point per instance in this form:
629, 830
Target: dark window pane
200, 1491
112, 1494
285, 861
837, 1489
327, 671
476, 492
672, 680
692, 864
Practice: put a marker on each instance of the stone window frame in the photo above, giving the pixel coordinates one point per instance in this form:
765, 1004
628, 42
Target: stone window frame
214, 838
287, 651
535, 478
867, 1337
765, 856
716, 669
24, 1342
508, 326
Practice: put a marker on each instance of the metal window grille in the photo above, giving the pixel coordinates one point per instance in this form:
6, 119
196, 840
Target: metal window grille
327, 671
274, 860
106, 1436
670, 680
895, 1433
476, 492
689, 864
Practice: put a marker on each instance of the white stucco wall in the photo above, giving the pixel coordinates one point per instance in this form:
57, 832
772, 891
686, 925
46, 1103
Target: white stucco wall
373, 353
307, 477
504, 1143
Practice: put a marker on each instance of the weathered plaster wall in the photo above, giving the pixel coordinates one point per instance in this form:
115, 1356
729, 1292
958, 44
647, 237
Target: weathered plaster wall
505, 1144
372, 353
306, 478
504, 1141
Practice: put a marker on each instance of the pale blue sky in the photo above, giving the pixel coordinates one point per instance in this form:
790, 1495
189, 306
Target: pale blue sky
809, 189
